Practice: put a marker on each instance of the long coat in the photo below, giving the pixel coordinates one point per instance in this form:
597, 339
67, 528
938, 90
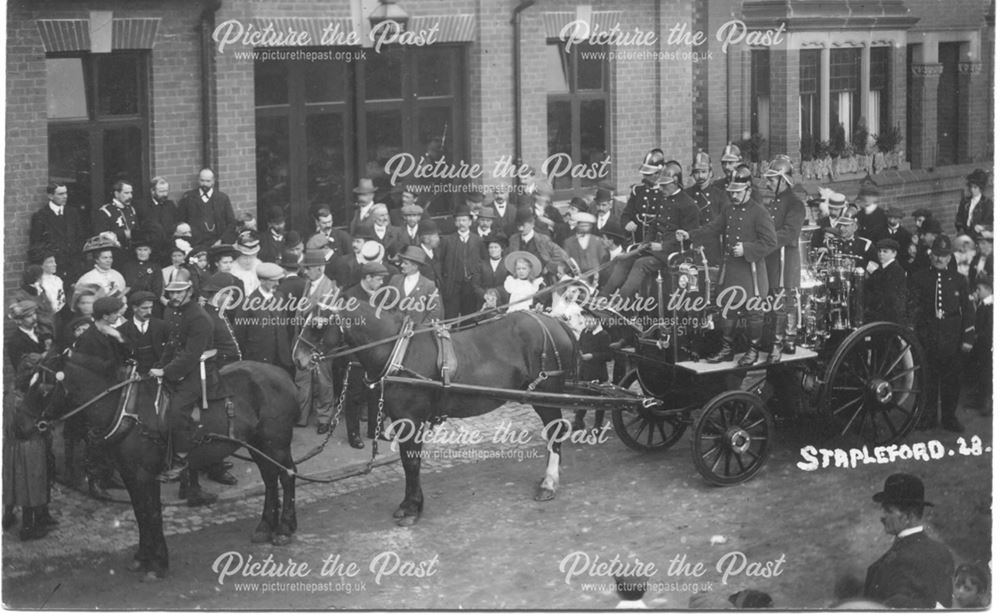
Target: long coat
19, 344
159, 220
784, 266
941, 311
543, 247
492, 278
60, 234
873, 226
459, 262
590, 258
885, 294
751, 225
915, 573
209, 220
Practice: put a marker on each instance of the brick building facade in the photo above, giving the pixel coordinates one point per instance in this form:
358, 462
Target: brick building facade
297, 133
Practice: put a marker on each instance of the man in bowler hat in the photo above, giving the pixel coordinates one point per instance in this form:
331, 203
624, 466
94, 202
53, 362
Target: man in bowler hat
916, 572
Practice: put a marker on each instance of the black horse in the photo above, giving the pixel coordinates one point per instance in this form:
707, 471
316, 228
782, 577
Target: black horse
514, 352
264, 411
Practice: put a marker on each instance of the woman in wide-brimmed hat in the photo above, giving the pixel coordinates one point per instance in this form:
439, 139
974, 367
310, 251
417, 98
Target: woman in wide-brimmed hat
975, 210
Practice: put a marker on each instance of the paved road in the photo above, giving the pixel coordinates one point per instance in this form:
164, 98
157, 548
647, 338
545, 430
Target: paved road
484, 543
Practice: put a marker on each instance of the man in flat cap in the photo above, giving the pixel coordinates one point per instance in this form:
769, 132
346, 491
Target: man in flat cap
943, 319
916, 572
26, 338
265, 337
144, 334
885, 287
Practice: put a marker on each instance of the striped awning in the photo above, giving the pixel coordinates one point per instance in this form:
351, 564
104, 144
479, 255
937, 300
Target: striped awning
801, 15
450, 28
555, 21
72, 35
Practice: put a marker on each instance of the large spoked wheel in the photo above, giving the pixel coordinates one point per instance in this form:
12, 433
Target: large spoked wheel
874, 384
732, 438
647, 429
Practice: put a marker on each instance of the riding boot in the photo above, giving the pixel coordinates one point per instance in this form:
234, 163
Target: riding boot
96, 490
217, 472
725, 353
9, 517
43, 518
756, 338
30, 528
780, 324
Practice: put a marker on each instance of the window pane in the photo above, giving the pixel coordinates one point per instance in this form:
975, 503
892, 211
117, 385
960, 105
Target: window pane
845, 70
590, 70
69, 163
384, 134
326, 167
270, 83
325, 81
117, 84
879, 68
560, 137
123, 157
593, 148
434, 72
384, 75
556, 69
809, 71
67, 97
272, 161
434, 122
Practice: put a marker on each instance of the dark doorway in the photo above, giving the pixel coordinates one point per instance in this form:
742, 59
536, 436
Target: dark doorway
948, 107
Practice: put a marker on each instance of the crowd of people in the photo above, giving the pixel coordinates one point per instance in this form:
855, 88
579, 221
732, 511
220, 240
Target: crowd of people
144, 281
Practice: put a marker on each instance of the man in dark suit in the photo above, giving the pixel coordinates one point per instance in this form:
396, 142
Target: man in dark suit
336, 239
975, 210
272, 241
118, 216
885, 288
461, 254
542, 246
784, 266
373, 275
56, 229
898, 233
411, 215
430, 243
261, 339
207, 210
144, 335
415, 295
390, 237
346, 269
606, 209
916, 572
364, 200
505, 211
158, 218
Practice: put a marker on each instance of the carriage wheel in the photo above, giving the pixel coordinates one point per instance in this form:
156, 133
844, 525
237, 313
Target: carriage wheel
732, 438
873, 388
646, 429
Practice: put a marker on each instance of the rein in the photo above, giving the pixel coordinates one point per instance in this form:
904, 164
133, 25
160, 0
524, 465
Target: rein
493, 310
44, 425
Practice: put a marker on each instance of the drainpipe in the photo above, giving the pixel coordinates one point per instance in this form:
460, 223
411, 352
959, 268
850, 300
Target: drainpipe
206, 25
515, 20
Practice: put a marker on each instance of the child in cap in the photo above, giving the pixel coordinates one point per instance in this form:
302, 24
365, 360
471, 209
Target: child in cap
595, 352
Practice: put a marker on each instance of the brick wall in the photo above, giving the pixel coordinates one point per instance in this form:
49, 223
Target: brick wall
174, 108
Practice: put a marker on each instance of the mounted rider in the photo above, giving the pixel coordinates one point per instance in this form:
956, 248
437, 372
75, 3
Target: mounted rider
188, 368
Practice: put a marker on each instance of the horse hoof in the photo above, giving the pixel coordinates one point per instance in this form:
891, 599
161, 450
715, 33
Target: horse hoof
281, 540
399, 513
152, 576
407, 521
545, 494
260, 537
135, 565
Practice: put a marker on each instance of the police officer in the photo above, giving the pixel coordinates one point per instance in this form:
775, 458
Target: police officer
784, 267
749, 236
645, 199
943, 318
710, 199
180, 366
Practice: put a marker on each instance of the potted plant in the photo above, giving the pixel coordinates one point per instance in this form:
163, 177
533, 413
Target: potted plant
806, 152
822, 164
887, 144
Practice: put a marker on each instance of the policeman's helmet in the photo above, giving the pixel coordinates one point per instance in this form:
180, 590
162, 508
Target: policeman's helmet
781, 166
181, 281
702, 161
672, 173
731, 153
652, 163
742, 179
